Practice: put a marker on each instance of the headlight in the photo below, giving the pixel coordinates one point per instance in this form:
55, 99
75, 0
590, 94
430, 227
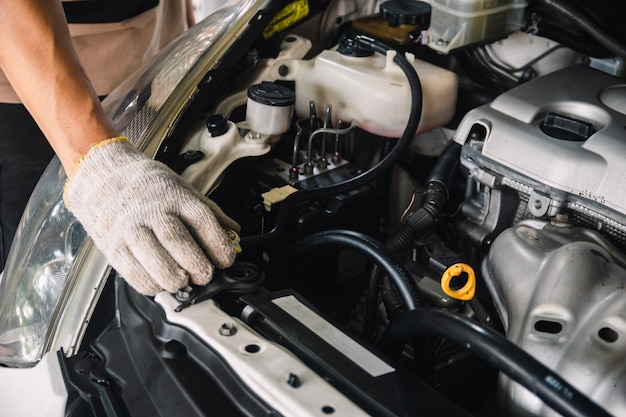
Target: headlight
54, 275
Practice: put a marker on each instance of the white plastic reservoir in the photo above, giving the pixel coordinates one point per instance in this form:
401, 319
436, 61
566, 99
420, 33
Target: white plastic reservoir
374, 92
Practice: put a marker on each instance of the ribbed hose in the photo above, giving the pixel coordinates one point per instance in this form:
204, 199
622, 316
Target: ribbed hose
429, 204
499, 352
590, 27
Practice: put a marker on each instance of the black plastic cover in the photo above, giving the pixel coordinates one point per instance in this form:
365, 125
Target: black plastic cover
398, 393
143, 366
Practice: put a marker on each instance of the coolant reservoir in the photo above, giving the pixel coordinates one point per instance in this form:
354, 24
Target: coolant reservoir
373, 91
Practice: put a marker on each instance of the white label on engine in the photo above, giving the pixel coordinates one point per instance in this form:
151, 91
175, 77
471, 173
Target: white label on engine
362, 357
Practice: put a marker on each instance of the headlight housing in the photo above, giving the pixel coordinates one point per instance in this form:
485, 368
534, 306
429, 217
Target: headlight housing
54, 274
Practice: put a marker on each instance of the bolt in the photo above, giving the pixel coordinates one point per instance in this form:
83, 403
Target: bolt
563, 217
561, 220
283, 70
537, 204
294, 172
191, 155
184, 293
294, 380
228, 329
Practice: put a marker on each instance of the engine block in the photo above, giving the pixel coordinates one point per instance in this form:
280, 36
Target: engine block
545, 195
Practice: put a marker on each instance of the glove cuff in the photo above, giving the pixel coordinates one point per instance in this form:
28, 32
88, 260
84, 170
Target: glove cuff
94, 148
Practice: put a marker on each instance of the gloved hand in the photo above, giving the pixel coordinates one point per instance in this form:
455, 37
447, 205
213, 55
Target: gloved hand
153, 228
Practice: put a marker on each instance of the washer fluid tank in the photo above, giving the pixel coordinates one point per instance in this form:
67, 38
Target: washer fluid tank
373, 91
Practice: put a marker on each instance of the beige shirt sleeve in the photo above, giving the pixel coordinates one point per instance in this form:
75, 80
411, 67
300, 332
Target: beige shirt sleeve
110, 52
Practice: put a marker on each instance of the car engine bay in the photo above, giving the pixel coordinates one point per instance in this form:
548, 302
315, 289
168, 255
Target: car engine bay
431, 220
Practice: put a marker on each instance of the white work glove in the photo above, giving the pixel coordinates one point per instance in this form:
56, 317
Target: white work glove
154, 229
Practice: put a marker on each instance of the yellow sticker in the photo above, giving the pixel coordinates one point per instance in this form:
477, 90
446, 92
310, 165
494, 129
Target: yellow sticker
288, 16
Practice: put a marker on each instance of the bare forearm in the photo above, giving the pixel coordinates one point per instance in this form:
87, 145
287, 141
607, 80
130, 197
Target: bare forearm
37, 57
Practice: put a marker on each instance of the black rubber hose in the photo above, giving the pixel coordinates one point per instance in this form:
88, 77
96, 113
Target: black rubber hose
419, 222
431, 200
422, 218
590, 27
447, 163
431, 203
399, 241
499, 352
365, 177
371, 303
388, 261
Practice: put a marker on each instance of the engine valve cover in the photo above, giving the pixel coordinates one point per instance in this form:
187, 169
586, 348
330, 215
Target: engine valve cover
558, 139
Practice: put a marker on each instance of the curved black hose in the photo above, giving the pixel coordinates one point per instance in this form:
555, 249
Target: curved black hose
499, 352
365, 177
590, 27
395, 243
447, 163
416, 223
422, 218
388, 261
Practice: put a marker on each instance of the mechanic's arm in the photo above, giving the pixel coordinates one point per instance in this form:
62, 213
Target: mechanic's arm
38, 58
154, 229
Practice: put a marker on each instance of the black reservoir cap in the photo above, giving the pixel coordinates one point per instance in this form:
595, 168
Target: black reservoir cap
406, 12
271, 94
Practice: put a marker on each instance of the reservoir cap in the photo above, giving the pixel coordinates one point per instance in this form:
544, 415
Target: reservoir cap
406, 12
271, 94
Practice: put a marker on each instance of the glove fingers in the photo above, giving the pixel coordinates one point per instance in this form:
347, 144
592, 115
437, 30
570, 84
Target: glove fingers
140, 280
208, 233
185, 251
155, 230
224, 220
156, 261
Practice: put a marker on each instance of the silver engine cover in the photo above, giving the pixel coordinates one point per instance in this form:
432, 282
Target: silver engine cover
585, 176
560, 288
